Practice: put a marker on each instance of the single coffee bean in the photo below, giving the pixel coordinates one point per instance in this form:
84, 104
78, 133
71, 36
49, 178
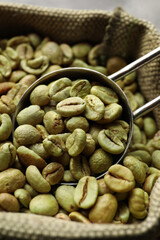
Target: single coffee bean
28, 157
60, 89
137, 167
72, 106
109, 142
40, 95
107, 95
119, 178
31, 115
9, 203
54, 145
10, 180
44, 204
26, 135
36, 180
78, 217
7, 155
80, 89
77, 122
138, 203
53, 173
94, 108
79, 167
149, 182
123, 213
86, 192
156, 159
100, 161
23, 196
104, 209
53, 122
65, 197
75, 143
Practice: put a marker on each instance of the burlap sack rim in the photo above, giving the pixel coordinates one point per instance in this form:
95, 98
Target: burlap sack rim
107, 231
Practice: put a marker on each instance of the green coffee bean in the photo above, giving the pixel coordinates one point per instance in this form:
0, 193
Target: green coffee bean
94, 108
31, 115
66, 203
5, 67
75, 143
102, 187
109, 142
36, 180
149, 182
53, 52
38, 148
35, 66
81, 50
10, 180
119, 178
94, 54
104, 209
115, 63
90, 145
54, 145
78, 217
123, 213
112, 112
9, 203
23, 196
100, 161
79, 167
53, 173
67, 177
150, 127
44, 204
86, 192
17, 75
7, 155
138, 203
67, 54
6, 105
142, 155
40, 95
26, 135
30, 189
137, 167
16, 92
107, 95
62, 216
80, 89
72, 106
28, 157
25, 51
60, 89
77, 122
156, 159
53, 122
5, 126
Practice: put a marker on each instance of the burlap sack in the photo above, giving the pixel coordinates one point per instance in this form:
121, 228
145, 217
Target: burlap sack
123, 35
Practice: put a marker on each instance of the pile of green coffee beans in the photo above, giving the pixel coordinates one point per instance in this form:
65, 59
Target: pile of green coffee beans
70, 132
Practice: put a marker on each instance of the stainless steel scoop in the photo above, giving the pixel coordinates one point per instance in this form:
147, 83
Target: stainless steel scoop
75, 73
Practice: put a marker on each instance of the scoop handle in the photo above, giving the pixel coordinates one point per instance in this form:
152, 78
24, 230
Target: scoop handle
135, 65
146, 108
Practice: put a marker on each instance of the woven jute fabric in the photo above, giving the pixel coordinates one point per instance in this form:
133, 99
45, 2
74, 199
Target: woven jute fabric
122, 35
132, 38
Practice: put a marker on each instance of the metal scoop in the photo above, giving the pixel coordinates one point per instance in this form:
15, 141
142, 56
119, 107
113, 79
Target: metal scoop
91, 75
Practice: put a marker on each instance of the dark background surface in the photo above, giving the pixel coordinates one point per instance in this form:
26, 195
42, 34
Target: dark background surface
144, 9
